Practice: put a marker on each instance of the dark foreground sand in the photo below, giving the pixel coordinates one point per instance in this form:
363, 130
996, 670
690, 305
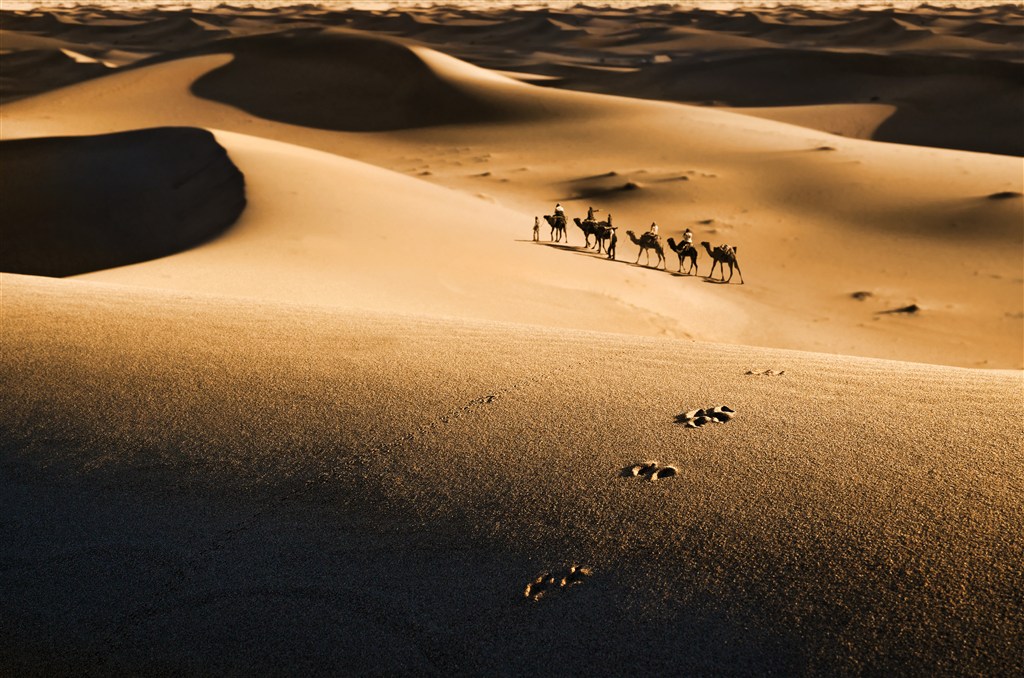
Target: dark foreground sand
256, 488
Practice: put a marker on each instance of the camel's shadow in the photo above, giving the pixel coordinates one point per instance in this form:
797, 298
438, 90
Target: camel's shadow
562, 246
586, 251
644, 266
576, 249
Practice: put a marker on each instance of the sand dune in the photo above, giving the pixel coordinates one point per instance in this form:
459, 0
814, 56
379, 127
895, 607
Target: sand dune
383, 85
795, 211
77, 204
372, 427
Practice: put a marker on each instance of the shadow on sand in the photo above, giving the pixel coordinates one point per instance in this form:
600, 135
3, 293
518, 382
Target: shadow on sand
584, 251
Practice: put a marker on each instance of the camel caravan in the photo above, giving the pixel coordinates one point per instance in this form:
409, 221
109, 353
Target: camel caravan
605, 240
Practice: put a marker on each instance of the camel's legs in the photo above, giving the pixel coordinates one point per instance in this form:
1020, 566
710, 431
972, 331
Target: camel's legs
738, 271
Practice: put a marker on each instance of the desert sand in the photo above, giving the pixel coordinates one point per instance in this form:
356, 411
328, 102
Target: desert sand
288, 387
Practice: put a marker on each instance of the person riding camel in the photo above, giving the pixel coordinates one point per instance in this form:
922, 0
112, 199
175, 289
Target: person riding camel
560, 212
688, 237
653, 230
590, 214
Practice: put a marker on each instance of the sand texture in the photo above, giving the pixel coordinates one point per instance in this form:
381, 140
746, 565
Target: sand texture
290, 386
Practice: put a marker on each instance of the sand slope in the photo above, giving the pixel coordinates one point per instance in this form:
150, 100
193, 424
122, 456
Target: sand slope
260, 487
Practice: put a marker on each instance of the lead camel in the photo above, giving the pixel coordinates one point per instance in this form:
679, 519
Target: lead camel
720, 257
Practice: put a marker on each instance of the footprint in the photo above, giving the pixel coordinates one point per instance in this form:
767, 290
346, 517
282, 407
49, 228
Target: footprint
650, 470
710, 415
548, 583
664, 472
645, 469
767, 373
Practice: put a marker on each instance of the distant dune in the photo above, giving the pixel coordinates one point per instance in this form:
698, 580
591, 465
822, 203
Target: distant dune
951, 75
77, 204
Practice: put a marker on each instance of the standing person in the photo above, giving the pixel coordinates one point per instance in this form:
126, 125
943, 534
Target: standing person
536, 229
612, 241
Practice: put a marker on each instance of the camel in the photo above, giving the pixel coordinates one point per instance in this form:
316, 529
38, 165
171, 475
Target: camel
601, 230
721, 256
648, 241
557, 228
685, 250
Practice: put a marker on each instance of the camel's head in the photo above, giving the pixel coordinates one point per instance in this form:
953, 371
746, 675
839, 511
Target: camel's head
705, 243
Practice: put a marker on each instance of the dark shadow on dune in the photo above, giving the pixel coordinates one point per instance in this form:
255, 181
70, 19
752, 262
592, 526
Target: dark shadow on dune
941, 100
588, 193
562, 246
335, 80
77, 204
30, 72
